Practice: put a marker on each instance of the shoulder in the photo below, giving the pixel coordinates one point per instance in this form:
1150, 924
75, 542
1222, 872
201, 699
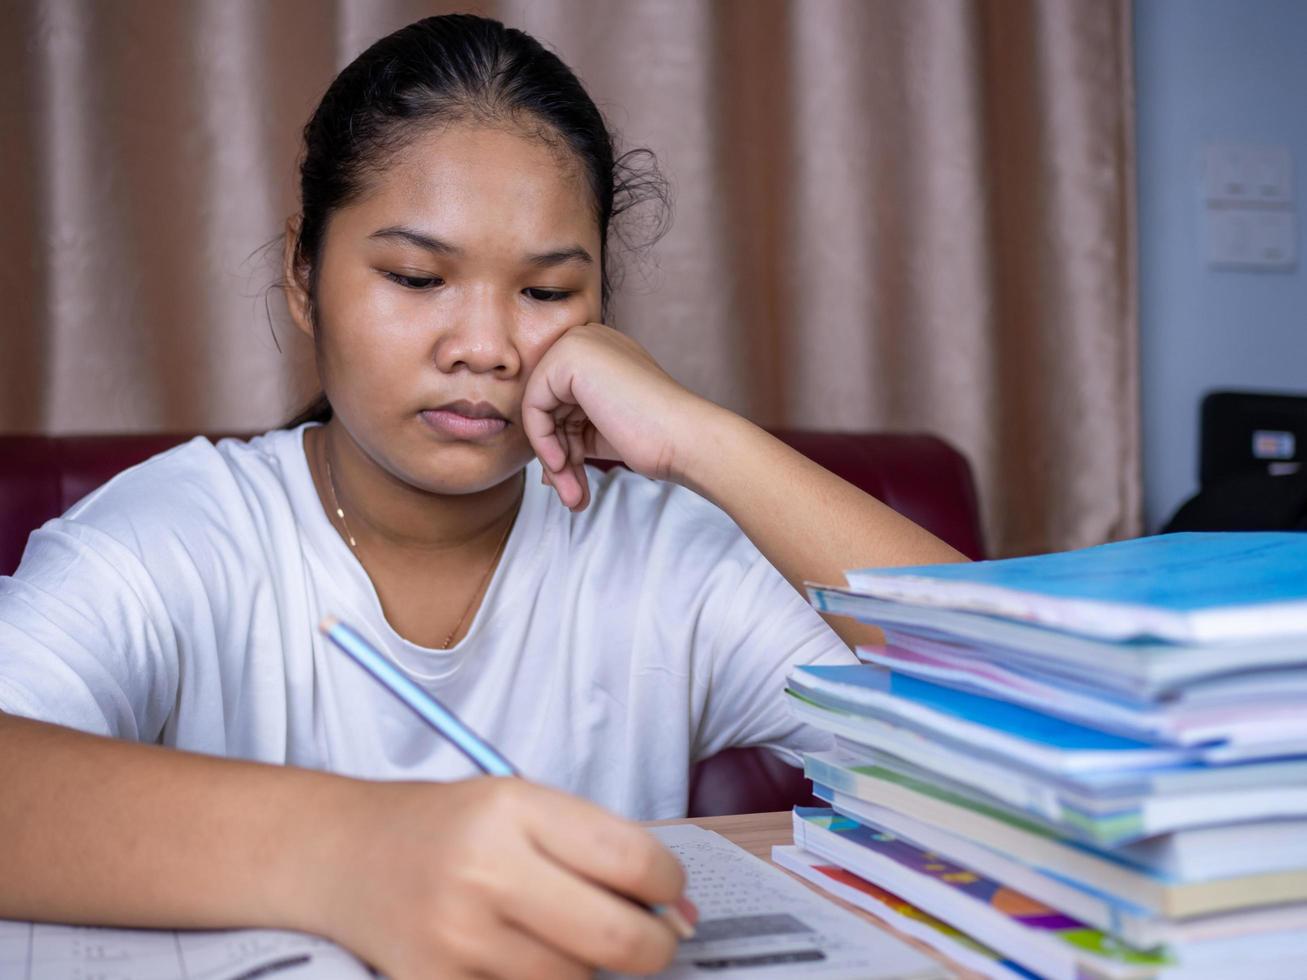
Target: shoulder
231, 487
194, 474
638, 520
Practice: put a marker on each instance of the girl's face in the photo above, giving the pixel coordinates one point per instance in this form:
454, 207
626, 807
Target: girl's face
438, 293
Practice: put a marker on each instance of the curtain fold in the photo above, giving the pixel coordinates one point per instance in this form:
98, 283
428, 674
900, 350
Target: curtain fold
901, 214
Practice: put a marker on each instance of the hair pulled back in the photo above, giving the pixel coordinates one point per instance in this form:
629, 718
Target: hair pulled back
456, 68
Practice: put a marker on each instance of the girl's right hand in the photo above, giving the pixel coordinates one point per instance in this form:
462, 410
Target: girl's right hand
494, 877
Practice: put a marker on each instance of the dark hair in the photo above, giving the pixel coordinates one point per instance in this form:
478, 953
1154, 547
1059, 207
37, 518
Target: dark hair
445, 69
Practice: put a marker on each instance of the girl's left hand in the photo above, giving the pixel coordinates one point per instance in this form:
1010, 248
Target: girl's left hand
598, 394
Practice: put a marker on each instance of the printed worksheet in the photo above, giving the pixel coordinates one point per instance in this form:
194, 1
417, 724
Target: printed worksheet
757, 922
754, 922
37, 951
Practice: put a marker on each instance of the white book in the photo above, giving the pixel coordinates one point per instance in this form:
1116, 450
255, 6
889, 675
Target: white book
1195, 848
1252, 710
953, 943
1089, 869
1141, 670
1034, 933
1044, 952
1104, 809
1136, 926
1050, 744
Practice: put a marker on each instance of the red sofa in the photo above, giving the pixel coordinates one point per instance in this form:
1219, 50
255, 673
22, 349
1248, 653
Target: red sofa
919, 476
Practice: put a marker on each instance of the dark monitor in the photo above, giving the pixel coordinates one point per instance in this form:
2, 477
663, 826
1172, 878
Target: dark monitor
1251, 432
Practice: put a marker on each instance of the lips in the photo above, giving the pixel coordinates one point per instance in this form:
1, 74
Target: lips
465, 420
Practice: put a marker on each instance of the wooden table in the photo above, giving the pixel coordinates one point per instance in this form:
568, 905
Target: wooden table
758, 832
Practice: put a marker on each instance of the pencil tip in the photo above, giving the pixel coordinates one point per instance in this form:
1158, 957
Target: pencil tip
328, 624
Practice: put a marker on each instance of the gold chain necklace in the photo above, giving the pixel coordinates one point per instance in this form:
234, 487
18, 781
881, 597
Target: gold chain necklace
349, 536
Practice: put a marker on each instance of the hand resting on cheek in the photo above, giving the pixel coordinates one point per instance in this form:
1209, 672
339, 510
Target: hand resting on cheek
598, 394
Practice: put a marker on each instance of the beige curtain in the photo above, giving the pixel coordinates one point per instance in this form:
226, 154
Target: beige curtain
891, 214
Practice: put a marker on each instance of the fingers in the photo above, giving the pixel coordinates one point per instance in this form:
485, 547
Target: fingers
515, 954
586, 921
577, 873
517, 880
577, 427
569, 480
545, 443
606, 849
571, 485
555, 426
467, 939
541, 403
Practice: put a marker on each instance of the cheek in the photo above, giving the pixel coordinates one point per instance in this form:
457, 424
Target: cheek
362, 321
540, 332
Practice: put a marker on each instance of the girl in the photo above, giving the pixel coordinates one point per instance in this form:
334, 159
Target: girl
604, 631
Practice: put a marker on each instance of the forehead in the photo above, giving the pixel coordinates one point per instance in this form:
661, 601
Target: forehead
474, 183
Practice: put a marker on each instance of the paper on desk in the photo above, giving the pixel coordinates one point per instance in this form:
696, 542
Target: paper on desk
756, 921
37, 951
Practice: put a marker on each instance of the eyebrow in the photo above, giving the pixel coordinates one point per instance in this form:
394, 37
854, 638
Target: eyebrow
558, 256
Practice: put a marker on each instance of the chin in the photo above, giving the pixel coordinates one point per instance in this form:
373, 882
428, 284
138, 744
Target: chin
458, 470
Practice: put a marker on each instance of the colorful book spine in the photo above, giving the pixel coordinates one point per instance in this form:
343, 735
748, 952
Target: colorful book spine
900, 914
1039, 937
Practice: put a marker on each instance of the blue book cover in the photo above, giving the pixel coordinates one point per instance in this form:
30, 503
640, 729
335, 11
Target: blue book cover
1190, 587
1181, 572
999, 716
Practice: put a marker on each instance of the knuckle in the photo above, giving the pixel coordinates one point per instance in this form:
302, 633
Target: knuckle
488, 887
452, 943
652, 866
642, 859
679, 880
632, 853
504, 796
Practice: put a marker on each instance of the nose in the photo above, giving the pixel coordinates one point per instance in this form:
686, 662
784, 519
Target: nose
480, 338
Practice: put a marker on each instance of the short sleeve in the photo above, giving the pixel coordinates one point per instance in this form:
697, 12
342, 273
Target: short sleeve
85, 638
765, 629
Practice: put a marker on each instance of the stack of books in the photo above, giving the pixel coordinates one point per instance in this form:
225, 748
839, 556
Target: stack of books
1091, 763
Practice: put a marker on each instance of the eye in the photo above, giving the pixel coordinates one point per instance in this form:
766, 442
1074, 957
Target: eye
547, 295
414, 282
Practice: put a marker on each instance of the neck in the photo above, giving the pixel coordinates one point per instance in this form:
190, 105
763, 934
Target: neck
384, 512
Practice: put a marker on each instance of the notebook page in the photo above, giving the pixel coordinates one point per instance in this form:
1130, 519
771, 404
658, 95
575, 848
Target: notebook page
757, 922
41, 951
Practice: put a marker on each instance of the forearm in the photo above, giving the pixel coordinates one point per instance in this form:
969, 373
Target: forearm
407, 875
810, 524
95, 830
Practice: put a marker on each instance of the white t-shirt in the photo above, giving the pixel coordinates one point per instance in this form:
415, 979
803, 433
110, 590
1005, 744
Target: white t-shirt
179, 604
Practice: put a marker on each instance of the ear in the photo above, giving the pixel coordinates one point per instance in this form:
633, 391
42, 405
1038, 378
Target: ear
295, 275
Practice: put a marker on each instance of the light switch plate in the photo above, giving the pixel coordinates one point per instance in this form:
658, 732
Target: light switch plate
1239, 238
1247, 207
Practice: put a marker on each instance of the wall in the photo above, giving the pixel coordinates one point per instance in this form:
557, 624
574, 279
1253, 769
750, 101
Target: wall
1211, 71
